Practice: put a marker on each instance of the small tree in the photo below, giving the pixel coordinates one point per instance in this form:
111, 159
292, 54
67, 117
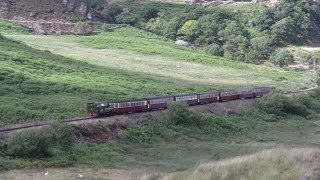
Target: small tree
282, 58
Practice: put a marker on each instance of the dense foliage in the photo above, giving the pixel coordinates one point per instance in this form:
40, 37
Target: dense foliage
247, 33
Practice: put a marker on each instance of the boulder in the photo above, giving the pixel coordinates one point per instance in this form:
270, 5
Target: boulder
182, 43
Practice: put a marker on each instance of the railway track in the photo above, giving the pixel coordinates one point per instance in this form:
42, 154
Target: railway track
12, 129
40, 125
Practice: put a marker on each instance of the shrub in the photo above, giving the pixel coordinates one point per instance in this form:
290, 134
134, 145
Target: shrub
29, 144
179, 114
214, 49
62, 135
113, 10
126, 18
149, 13
282, 58
280, 105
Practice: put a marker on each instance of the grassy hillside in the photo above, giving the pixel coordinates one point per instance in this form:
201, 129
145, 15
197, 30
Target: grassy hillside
56, 81
282, 163
39, 85
133, 50
180, 140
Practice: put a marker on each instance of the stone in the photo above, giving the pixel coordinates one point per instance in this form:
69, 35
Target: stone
182, 43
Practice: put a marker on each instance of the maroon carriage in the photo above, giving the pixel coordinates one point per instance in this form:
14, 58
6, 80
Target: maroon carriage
247, 93
129, 106
159, 102
230, 95
208, 97
190, 99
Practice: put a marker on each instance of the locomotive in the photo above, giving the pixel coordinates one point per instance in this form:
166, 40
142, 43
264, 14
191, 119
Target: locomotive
98, 109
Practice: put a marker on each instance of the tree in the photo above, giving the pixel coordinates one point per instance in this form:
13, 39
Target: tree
283, 31
173, 26
113, 10
188, 30
265, 19
157, 25
282, 58
260, 49
236, 47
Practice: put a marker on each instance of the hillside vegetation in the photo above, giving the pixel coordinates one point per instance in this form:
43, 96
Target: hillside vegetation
282, 163
249, 32
125, 63
177, 140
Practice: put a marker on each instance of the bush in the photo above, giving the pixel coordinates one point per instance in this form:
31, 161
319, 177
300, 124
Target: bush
62, 135
149, 13
113, 10
126, 18
280, 105
179, 114
282, 58
214, 49
29, 144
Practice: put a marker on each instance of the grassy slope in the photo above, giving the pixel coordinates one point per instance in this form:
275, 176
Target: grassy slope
125, 63
132, 50
37, 84
271, 164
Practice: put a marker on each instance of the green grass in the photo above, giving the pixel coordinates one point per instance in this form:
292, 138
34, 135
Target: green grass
36, 84
132, 50
12, 28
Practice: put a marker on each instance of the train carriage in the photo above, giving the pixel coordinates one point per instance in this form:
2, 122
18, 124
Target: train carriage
208, 97
159, 102
247, 93
190, 99
230, 95
129, 106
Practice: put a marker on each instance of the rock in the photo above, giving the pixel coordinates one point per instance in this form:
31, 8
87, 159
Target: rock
181, 43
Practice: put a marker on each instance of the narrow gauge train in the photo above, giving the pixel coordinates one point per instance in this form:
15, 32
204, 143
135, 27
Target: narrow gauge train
98, 109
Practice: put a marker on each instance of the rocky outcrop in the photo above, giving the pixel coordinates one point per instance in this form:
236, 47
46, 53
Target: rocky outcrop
47, 27
48, 16
44, 9
80, 6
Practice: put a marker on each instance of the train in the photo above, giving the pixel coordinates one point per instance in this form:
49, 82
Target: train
99, 109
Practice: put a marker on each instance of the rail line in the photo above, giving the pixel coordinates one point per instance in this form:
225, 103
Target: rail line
7, 130
41, 124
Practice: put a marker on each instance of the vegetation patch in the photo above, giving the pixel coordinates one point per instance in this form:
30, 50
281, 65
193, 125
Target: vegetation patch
179, 134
